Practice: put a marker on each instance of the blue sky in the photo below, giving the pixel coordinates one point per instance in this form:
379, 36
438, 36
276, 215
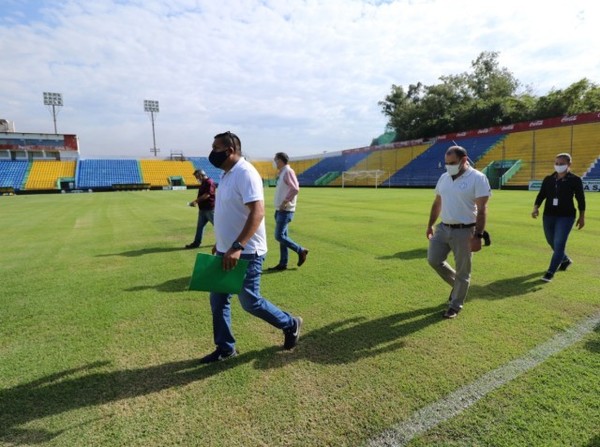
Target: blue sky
302, 76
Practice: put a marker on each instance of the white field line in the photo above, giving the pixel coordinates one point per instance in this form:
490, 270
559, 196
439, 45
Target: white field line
453, 404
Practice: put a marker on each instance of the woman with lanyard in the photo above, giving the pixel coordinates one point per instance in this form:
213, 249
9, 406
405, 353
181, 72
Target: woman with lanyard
558, 190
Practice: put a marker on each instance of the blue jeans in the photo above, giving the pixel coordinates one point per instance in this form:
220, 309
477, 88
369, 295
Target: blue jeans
251, 302
556, 230
204, 217
282, 220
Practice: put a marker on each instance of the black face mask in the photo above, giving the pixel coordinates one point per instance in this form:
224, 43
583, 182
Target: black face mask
218, 158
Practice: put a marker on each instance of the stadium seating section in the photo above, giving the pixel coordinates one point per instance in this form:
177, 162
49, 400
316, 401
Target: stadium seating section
389, 161
158, 172
524, 156
330, 166
44, 175
12, 173
105, 173
425, 169
206, 166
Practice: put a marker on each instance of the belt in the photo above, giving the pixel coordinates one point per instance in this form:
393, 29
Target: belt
471, 225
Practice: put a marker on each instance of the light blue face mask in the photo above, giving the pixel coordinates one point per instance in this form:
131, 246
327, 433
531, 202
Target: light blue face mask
560, 168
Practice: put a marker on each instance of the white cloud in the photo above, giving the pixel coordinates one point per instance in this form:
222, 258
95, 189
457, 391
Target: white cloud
301, 76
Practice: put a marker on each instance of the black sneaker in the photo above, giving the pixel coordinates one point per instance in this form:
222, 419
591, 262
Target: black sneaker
277, 268
192, 245
451, 313
548, 277
565, 265
292, 335
217, 355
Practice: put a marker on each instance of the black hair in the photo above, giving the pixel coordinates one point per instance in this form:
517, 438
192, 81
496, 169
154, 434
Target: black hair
230, 140
283, 157
459, 151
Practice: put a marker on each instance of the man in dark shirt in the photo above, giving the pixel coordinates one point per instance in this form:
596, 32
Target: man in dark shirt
205, 203
558, 190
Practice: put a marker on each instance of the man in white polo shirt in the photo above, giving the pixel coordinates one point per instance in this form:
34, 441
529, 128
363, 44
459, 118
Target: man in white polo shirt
461, 198
240, 233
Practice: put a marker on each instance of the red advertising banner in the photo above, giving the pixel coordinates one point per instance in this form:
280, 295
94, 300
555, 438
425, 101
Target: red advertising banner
18, 141
528, 125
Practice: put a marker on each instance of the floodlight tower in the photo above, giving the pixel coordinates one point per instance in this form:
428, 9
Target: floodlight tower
55, 100
151, 106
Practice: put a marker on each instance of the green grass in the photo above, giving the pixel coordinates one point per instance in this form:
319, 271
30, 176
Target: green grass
99, 338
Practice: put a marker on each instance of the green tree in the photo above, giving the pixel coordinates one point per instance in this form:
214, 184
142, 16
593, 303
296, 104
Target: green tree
488, 95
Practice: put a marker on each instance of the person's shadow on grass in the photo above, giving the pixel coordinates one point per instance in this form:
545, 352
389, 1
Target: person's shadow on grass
142, 252
92, 385
507, 287
350, 340
416, 253
95, 384
171, 286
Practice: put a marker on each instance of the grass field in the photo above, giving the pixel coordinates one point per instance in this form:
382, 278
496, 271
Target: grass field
99, 338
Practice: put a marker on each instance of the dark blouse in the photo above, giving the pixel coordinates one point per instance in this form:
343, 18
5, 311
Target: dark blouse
562, 189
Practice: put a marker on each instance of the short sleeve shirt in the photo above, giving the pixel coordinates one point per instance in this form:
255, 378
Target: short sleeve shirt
242, 184
458, 196
207, 187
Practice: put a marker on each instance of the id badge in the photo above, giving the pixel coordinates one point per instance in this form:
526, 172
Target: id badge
555, 202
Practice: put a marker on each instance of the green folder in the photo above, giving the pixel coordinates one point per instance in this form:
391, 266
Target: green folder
209, 276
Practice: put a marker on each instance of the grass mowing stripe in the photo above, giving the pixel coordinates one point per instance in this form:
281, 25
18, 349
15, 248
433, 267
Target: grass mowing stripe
453, 404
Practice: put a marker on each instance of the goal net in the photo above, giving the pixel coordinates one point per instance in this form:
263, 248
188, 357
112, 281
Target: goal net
364, 178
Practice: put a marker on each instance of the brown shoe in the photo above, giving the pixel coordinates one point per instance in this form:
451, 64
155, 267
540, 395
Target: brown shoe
302, 257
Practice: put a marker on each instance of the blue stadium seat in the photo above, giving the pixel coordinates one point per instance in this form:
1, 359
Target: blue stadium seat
425, 169
338, 163
105, 173
204, 164
12, 173
594, 173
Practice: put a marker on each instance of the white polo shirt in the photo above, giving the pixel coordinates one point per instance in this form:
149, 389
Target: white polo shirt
458, 196
241, 185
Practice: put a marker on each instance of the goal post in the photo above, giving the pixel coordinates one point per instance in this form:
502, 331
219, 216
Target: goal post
364, 178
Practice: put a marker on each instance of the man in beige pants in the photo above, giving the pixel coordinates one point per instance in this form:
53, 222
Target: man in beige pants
461, 198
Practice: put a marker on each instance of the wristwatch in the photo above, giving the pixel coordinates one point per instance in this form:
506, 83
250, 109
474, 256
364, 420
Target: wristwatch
237, 246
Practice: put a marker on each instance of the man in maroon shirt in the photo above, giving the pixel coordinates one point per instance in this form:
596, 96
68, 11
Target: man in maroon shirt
205, 203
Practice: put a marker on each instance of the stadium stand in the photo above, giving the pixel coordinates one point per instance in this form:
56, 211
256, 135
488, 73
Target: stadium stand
426, 168
510, 155
206, 166
586, 149
105, 173
594, 172
387, 160
158, 172
265, 169
317, 174
44, 175
299, 166
538, 158
13, 174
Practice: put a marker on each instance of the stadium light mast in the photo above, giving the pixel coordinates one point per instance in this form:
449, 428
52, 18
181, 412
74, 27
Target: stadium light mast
151, 107
54, 100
